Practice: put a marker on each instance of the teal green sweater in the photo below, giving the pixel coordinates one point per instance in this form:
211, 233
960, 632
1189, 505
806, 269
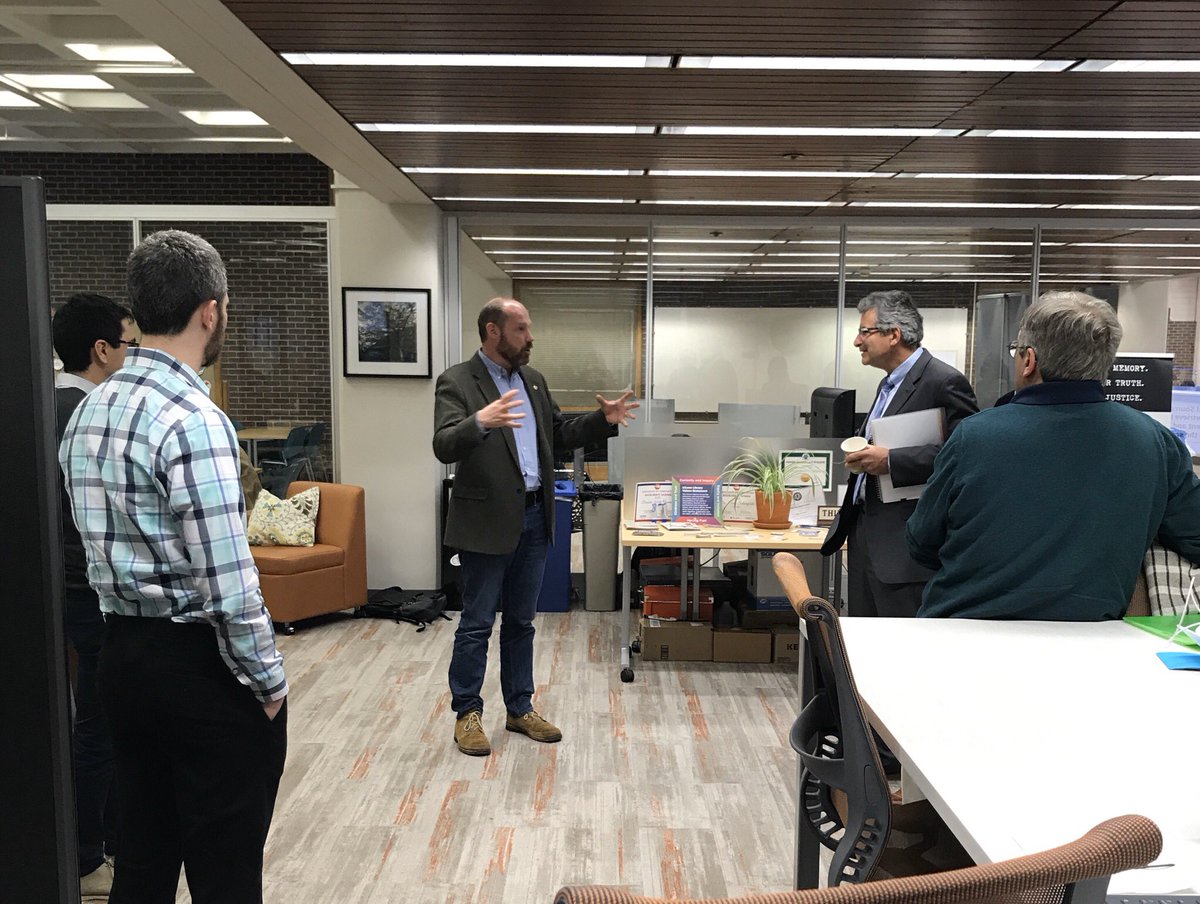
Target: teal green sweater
1043, 508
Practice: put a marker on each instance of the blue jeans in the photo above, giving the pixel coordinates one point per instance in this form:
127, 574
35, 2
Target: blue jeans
508, 584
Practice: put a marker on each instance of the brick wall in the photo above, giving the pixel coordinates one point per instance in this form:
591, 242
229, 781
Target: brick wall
1181, 342
88, 256
268, 179
276, 358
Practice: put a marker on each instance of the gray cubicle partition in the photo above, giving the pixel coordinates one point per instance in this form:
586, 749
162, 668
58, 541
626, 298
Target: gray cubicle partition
739, 419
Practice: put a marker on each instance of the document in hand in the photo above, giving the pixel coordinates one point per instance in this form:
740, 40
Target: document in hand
898, 431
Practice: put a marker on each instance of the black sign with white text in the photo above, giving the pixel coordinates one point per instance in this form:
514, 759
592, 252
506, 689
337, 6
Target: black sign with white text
1141, 381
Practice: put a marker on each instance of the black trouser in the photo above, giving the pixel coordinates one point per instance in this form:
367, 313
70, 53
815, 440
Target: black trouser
92, 742
198, 765
866, 594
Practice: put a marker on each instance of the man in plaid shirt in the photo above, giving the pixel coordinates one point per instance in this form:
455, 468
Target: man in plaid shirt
189, 674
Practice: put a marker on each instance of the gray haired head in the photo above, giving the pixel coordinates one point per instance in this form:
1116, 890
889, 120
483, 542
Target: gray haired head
1075, 336
895, 309
170, 274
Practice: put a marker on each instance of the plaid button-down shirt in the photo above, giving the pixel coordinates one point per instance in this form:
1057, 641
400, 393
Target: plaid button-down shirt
151, 467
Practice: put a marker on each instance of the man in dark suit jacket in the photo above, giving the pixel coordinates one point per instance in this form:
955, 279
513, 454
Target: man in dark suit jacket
495, 419
883, 579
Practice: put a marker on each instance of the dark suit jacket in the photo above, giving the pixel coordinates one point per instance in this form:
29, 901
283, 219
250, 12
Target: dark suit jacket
930, 384
487, 504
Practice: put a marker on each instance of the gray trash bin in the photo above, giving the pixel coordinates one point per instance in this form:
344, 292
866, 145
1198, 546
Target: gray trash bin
601, 523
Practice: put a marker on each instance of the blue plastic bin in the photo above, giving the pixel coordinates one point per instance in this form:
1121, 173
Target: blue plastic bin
556, 583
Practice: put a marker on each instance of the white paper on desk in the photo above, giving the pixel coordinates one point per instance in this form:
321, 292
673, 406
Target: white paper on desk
913, 428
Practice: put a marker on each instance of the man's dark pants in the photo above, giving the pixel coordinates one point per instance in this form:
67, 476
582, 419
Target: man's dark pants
508, 584
94, 812
869, 596
198, 765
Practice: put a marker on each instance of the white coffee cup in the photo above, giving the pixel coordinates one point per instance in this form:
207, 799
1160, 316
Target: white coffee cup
854, 444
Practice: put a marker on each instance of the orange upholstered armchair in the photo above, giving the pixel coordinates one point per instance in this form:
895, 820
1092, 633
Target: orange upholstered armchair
300, 582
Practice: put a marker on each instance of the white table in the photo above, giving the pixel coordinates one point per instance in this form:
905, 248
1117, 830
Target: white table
1024, 735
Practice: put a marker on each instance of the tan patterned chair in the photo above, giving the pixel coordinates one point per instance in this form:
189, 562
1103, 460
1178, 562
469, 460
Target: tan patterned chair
1076, 873
300, 582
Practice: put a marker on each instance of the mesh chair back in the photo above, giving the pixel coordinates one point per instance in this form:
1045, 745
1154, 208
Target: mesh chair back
834, 744
277, 480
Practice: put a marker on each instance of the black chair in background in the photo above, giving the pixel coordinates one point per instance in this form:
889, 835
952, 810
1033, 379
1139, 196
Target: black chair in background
291, 451
277, 480
312, 446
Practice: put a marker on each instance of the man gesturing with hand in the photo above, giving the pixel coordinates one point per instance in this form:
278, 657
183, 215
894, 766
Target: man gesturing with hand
494, 418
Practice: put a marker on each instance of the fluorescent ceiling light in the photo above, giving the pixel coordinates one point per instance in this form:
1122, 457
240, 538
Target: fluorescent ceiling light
1072, 177
1161, 66
770, 174
1129, 207
122, 53
813, 131
95, 100
241, 139
541, 238
13, 99
513, 171
1146, 135
875, 64
124, 69
498, 60
501, 128
502, 252
224, 117
732, 203
1131, 245
1173, 178
948, 204
60, 81
497, 200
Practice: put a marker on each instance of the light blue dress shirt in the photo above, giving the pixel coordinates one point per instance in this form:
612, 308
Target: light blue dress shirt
526, 434
890, 382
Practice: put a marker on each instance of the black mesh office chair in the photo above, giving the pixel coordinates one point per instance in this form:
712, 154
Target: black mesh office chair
292, 451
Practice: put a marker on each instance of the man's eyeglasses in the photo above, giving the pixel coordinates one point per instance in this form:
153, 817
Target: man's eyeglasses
132, 343
868, 330
1013, 346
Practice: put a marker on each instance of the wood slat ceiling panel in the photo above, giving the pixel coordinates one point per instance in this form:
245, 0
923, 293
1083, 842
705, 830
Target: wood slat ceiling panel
644, 97
1048, 155
635, 151
1085, 100
1142, 29
863, 27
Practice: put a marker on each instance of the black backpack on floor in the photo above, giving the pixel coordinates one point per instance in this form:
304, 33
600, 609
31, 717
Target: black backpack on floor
417, 607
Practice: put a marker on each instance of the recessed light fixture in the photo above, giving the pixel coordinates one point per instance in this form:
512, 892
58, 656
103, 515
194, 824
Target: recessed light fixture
1133, 135
814, 131
1065, 177
875, 64
498, 200
496, 60
513, 171
497, 128
1160, 66
1130, 207
742, 203
969, 205
13, 99
241, 139
224, 117
770, 174
122, 53
58, 81
95, 100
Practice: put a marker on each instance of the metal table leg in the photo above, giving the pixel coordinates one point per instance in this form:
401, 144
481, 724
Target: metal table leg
626, 589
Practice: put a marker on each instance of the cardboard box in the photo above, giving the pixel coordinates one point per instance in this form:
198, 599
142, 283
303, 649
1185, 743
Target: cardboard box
755, 618
741, 645
663, 600
676, 641
787, 644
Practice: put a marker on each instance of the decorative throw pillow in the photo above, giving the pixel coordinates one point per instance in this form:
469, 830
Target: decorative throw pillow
284, 522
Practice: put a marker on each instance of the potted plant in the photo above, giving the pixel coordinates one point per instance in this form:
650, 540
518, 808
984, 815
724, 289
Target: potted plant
763, 468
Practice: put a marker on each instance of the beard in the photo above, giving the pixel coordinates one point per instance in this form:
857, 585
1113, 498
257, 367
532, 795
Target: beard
515, 355
212, 348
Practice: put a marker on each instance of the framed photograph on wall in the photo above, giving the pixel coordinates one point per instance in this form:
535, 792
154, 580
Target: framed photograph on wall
388, 332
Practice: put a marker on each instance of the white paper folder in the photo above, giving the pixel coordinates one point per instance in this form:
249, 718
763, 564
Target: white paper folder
913, 428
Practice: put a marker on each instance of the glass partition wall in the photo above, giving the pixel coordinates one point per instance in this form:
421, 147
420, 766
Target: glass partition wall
746, 313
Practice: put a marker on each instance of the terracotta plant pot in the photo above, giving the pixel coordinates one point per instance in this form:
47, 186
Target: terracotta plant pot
773, 510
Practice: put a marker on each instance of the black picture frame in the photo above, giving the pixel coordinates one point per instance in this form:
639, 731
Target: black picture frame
387, 332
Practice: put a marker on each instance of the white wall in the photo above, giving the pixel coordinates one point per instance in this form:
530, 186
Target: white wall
703, 356
1143, 309
479, 281
384, 425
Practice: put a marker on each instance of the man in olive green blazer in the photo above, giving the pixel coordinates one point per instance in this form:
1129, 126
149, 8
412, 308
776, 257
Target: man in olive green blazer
494, 418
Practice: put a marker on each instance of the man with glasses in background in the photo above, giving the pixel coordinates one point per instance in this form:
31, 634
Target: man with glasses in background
91, 333
883, 579
1043, 508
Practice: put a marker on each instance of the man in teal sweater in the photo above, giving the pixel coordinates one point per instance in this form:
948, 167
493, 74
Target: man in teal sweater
1043, 508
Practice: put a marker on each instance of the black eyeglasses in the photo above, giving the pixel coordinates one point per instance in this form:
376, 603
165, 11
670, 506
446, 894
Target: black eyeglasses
868, 330
1013, 346
132, 343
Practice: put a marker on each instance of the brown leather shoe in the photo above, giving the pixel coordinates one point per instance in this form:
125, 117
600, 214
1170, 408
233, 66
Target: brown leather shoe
469, 734
534, 726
